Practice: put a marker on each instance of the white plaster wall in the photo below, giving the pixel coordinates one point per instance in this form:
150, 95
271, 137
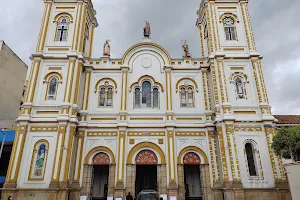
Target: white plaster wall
94, 97
50, 39
155, 70
31, 139
242, 41
41, 87
260, 139
182, 142
199, 96
250, 87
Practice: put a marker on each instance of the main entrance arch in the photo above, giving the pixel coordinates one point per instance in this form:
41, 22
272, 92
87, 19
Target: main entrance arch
99, 173
99, 188
146, 169
193, 174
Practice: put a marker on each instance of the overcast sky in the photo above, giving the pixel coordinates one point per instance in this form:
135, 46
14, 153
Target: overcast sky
275, 23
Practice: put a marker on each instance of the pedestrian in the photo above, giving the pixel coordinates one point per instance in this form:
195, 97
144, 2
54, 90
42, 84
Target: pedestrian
129, 196
9, 198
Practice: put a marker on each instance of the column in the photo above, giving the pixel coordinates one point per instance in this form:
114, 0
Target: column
205, 182
162, 179
87, 180
181, 186
111, 180
77, 164
130, 179
56, 169
16, 157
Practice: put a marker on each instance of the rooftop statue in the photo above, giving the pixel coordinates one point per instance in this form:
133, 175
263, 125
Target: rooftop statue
106, 48
147, 31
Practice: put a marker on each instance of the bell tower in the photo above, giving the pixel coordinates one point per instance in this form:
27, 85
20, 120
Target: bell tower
63, 46
238, 93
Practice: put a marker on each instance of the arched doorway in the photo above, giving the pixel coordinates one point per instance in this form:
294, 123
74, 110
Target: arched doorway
192, 180
99, 189
146, 171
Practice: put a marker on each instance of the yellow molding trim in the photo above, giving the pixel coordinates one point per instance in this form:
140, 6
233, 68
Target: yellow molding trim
65, 8
234, 49
54, 68
58, 49
146, 44
150, 145
43, 129
189, 79
91, 40
192, 149
146, 134
181, 118
190, 133
100, 149
46, 112
75, 33
245, 112
106, 79
158, 118
102, 134
44, 33
227, 8
229, 14
147, 77
97, 119
237, 68
53, 74
33, 87
56, 18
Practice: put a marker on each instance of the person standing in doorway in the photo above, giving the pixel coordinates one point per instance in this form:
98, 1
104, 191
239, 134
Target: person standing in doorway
129, 196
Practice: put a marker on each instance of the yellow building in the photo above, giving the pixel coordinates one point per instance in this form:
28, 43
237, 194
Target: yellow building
189, 128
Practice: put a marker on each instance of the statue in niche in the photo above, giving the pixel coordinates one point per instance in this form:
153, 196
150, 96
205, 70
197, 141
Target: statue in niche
106, 48
239, 88
147, 31
40, 159
185, 47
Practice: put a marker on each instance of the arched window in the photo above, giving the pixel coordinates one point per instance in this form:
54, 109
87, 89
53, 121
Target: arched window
38, 162
187, 97
146, 94
229, 28
183, 98
250, 154
137, 97
147, 97
52, 87
106, 95
62, 29
155, 98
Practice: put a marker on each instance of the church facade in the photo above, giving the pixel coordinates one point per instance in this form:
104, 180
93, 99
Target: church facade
188, 128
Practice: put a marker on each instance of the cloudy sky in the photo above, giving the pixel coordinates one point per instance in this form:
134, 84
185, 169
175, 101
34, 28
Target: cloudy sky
275, 24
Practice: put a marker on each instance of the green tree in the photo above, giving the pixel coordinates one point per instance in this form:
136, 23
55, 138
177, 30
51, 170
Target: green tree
286, 143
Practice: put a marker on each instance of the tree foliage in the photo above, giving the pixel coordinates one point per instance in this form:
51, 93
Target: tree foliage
286, 143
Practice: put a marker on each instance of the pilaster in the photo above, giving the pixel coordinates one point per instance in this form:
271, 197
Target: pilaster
172, 168
120, 185
123, 106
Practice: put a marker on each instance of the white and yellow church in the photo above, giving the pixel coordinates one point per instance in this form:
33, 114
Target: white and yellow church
188, 128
